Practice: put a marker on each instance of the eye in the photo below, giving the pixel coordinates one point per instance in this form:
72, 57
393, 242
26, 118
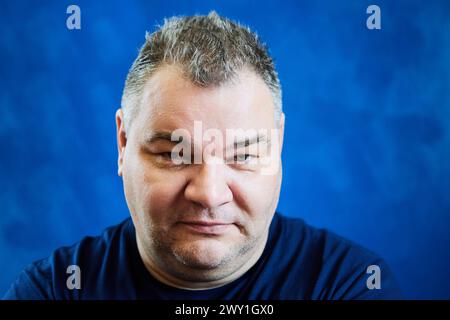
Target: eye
166, 155
243, 158
167, 159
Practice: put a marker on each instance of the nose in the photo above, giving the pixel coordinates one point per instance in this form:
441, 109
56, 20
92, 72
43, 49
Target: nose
209, 187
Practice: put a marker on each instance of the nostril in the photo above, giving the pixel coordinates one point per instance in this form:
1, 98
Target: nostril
208, 187
209, 196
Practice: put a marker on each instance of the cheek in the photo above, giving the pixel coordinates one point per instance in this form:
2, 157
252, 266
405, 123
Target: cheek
257, 196
153, 193
161, 196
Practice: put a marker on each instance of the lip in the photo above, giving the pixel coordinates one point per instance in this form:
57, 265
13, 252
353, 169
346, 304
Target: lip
207, 227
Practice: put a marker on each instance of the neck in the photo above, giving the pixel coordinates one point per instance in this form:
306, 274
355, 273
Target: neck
163, 276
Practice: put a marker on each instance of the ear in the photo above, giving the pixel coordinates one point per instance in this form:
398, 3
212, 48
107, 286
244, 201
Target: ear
281, 133
121, 140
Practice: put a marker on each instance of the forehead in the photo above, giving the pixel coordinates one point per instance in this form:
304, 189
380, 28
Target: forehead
170, 101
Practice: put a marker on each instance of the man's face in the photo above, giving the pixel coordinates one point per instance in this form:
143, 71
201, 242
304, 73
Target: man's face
200, 221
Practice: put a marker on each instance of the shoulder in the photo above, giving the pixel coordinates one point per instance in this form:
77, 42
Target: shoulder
324, 243
337, 268
46, 278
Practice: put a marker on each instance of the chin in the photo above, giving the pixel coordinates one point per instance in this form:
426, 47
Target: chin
203, 254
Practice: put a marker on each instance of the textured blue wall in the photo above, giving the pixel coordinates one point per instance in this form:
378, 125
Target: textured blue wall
367, 146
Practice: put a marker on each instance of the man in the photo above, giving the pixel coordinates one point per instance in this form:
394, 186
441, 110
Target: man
199, 137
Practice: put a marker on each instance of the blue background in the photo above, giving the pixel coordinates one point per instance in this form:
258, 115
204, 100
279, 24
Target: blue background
367, 145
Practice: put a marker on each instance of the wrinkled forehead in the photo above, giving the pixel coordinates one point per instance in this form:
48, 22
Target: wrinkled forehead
170, 102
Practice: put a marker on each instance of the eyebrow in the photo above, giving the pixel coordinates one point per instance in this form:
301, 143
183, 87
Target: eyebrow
251, 140
159, 135
245, 142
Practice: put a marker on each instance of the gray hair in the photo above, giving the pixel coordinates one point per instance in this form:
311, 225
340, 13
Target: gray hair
210, 49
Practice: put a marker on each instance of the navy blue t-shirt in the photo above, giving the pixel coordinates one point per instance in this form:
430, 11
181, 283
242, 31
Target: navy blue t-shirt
298, 262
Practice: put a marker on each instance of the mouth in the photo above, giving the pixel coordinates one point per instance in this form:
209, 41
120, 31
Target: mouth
207, 227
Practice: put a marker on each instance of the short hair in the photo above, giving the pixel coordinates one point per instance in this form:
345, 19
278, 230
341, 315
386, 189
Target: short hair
210, 49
